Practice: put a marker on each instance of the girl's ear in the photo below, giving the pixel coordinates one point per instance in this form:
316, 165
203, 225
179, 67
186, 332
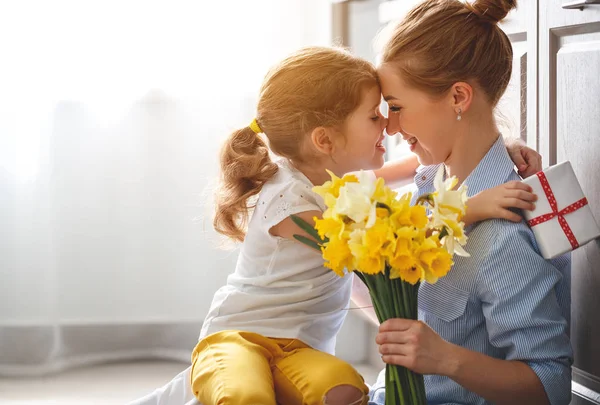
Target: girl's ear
323, 140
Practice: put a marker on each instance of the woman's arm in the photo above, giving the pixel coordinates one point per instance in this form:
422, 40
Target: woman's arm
415, 345
489, 376
517, 292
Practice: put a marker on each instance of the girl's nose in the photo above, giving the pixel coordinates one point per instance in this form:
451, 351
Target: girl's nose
391, 127
384, 123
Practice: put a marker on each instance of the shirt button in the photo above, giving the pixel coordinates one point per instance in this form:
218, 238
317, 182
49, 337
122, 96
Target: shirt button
424, 178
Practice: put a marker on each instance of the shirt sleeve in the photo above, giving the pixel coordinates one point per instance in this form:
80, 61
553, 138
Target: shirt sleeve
282, 199
518, 291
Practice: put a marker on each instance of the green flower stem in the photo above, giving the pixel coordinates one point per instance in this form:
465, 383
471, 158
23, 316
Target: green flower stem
396, 299
413, 386
401, 387
407, 299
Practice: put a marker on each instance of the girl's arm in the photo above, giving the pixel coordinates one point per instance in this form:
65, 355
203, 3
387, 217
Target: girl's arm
402, 169
527, 160
497, 203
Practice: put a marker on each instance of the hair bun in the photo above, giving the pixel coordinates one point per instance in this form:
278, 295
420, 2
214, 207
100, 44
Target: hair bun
492, 11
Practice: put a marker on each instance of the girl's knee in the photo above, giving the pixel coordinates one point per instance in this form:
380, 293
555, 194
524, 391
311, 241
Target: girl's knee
240, 398
345, 395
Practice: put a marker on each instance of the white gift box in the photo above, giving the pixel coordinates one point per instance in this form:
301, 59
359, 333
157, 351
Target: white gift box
562, 220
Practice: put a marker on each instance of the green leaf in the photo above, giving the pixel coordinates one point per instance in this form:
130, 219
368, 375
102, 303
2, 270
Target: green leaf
306, 227
308, 242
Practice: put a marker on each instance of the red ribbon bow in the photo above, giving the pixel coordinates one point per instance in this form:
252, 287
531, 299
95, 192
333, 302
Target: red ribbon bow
556, 213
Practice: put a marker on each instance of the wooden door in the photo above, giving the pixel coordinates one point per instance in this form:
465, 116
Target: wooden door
569, 129
517, 110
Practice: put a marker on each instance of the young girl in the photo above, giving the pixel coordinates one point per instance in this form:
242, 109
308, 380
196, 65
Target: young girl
270, 334
495, 330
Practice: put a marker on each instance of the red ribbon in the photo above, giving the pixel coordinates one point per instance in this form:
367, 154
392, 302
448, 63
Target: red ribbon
556, 213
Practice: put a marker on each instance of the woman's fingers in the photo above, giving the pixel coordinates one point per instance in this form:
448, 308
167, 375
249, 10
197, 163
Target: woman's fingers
396, 324
393, 338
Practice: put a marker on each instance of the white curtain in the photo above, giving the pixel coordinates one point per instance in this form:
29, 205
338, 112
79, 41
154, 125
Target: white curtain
111, 116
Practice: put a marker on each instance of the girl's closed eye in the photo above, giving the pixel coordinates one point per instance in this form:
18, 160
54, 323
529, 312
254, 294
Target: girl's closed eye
394, 109
376, 115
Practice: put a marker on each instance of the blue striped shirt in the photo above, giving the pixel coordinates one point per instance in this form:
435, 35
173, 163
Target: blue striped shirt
505, 300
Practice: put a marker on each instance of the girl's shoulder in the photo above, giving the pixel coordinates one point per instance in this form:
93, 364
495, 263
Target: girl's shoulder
289, 185
288, 192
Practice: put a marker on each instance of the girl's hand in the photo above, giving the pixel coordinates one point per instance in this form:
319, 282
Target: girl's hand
527, 160
495, 202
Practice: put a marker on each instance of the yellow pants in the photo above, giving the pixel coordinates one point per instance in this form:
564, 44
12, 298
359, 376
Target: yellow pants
243, 368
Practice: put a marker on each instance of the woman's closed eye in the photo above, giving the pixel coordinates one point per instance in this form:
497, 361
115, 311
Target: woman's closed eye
394, 109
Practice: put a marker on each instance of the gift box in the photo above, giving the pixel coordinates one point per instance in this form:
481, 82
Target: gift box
562, 220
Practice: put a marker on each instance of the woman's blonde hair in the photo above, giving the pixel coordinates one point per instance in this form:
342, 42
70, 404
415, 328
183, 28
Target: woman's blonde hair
441, 42
314, 87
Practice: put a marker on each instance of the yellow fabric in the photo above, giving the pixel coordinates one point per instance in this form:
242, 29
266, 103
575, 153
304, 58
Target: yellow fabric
255, 127
235, 367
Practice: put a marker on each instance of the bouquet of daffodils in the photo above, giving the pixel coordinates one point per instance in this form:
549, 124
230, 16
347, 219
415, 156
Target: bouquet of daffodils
391, 246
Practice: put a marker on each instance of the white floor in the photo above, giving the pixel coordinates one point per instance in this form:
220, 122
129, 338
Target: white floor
111, 384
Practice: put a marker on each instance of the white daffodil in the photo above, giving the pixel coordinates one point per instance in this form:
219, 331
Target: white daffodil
355, 201
448, 206
446, 199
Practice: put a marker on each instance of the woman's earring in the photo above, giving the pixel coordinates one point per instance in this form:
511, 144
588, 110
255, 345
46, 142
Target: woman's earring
459, 116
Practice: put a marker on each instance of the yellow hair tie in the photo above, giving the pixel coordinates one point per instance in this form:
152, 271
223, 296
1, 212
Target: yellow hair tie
255, 127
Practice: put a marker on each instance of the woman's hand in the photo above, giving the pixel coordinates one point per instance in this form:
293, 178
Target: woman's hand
414, 345
496, 202
527, 160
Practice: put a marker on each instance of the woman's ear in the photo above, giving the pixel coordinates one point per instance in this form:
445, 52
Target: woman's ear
461, 97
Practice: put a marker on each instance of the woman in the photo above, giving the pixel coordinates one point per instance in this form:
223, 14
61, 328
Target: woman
495, 329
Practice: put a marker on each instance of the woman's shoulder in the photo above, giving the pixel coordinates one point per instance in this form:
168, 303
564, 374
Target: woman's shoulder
494, 234
508, 251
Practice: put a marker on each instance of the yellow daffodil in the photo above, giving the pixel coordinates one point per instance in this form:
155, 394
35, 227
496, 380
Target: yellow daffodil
406, 268
366, 249
436, 261
369, 228
384, 194
372, 264
406, 215
337, 255
332, 187
379, 238
329, 226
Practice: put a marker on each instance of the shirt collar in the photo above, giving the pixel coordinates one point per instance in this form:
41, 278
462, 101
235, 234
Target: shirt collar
494, 169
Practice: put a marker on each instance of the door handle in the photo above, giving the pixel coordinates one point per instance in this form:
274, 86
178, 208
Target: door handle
580, 4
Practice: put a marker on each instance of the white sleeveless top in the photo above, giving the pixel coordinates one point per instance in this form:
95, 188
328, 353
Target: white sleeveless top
280, 288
